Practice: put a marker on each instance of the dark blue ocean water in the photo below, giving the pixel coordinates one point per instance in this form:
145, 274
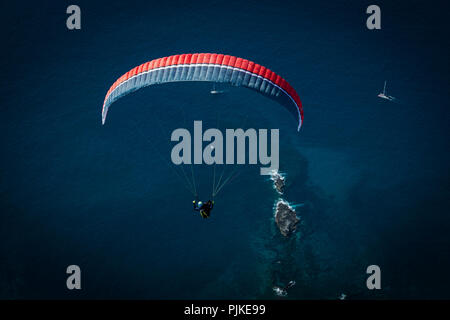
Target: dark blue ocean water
373, 176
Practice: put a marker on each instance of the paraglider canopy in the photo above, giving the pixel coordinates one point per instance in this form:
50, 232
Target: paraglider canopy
210, 67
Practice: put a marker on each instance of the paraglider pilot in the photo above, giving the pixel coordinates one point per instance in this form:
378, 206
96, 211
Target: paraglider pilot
203, 207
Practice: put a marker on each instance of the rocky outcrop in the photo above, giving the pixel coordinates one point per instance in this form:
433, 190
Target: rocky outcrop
286, 218
278, 181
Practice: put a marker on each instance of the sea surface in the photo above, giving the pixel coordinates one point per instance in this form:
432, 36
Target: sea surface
370, 177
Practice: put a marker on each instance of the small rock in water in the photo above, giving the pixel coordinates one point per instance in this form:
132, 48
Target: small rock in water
285, 218
280, 292
290, 284
283, 291
278, 181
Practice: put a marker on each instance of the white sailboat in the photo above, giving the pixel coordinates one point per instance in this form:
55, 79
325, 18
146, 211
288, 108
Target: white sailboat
383, 94
214, 91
